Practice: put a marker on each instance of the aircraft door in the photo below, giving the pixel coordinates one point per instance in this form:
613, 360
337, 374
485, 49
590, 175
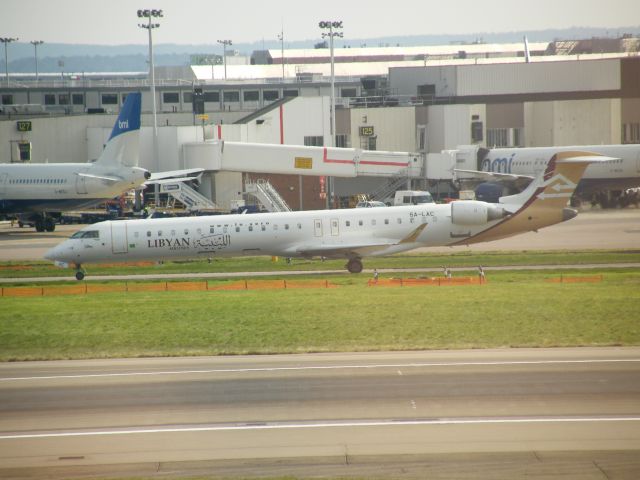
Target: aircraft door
81, 186
335, 227
317, 227
3, 183
119, 237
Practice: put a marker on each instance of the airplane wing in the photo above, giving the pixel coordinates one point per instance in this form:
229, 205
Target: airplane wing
99, 177
493, 175
355, 250
476, 177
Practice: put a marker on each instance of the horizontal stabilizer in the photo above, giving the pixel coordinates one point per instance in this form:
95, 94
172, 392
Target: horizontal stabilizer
190, 172
99, 177
588, 159
170, 180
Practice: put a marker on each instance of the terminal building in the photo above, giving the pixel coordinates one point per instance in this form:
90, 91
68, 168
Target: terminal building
420, 100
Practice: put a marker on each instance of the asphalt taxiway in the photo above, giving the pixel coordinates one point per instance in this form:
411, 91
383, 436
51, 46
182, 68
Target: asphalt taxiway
496, 412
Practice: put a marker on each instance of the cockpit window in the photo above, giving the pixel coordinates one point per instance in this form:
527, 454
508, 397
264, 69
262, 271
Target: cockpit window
86, 234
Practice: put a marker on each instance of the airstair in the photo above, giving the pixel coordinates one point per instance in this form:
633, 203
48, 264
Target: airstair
388, 189
268, 196
190, 198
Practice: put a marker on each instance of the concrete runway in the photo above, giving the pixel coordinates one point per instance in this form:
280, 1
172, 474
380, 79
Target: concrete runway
597, 229
495, 414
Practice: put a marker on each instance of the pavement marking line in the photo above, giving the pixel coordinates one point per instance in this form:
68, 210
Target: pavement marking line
327, 367
385, 423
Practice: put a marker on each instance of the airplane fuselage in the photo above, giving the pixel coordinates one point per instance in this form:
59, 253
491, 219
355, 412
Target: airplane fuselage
63, 186
622, 173
330, 234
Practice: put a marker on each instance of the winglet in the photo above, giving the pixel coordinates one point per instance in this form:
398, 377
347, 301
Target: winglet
413, 236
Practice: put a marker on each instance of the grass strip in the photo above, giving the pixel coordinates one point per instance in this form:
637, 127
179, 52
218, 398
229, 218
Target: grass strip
265, 264
515, 309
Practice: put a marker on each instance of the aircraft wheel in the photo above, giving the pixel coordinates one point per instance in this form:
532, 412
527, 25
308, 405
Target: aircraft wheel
354, 265
79, 275
49, 224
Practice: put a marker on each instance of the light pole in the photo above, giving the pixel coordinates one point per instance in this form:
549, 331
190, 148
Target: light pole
149, 15
6, 40
35, 44
281, 38
331, 25
224, 44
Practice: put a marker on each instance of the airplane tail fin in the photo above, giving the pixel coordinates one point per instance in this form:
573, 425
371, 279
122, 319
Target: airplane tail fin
554, 187
544, 201
123, 145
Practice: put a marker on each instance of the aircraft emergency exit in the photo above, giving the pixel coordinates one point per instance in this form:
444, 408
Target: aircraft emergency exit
349, 233
41, 189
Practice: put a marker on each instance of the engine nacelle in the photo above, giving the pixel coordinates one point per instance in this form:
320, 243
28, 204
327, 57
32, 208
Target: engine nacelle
472, 212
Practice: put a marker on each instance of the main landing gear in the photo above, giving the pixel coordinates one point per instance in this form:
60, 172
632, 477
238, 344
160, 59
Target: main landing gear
354, 265
44, 223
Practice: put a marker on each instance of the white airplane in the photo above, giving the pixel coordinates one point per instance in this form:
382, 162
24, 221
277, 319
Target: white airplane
520, 165
349, 233
40, 189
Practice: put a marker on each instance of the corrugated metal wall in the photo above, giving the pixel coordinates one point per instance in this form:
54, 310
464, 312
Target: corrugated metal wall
539, 77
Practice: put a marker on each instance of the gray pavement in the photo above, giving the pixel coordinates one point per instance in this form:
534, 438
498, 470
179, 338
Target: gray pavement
469, 414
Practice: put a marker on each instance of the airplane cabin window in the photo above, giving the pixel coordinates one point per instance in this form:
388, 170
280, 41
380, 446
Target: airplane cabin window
347, 223
299, 226
386, 221
360, 222
399, 221
251, 228
186, 231
159, 233
210, 229
148, 233
263, 228
237, 229
373, 221
286, 226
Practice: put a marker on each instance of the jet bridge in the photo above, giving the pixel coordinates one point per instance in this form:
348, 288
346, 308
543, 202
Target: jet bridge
220, 155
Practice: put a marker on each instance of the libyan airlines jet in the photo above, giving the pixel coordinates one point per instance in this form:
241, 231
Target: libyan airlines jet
40, 190
350, 233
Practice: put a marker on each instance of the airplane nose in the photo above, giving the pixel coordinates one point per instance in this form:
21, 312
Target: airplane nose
51, 253
57, 253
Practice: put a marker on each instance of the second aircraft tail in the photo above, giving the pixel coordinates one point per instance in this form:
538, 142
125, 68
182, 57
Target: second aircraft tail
123, 145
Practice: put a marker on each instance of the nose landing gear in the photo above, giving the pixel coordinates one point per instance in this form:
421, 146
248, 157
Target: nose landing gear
79, 272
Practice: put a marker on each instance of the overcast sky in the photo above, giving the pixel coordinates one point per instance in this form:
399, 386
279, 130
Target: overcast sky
114, 22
